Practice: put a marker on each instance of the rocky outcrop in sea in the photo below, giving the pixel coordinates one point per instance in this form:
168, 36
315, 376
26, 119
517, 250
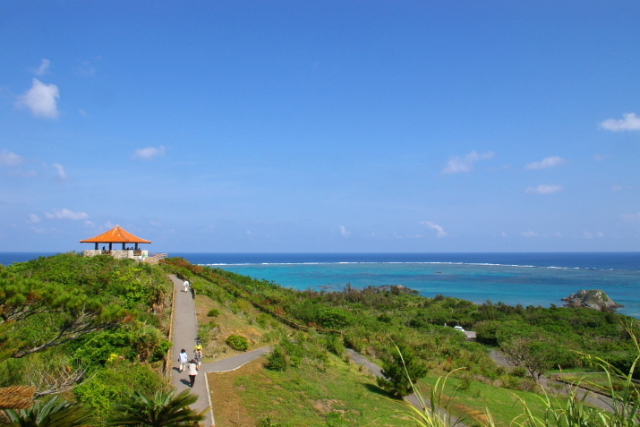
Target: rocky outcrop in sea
594, 299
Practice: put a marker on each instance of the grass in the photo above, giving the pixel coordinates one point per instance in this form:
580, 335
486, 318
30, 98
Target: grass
595, 381
471, 403
341, 395
242, 322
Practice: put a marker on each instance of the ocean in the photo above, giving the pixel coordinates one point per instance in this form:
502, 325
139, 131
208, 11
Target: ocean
513, 278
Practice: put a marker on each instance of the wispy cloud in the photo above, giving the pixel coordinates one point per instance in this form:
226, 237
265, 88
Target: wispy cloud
590, 235
43, 68
41, 99
631, 217
7, 158
616, 188
548, 162
529, 234
459, 164
432, 225
60, 173
33, 219
544, 189
85, 68
629, 122
66, 214
149, 153
343, 230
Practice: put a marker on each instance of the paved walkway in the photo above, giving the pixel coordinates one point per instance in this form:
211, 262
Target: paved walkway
412, 398
597, 400
185, 330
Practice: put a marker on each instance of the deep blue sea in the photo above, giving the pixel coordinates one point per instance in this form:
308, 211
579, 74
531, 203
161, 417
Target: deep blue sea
513, 278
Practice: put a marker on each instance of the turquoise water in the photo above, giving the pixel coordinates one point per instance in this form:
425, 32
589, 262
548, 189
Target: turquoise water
523, 283
513, 278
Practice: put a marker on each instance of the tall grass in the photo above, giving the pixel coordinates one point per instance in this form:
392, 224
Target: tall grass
575, 411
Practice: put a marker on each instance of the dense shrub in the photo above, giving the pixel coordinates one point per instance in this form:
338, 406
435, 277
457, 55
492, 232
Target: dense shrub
334, 344
237, 342
401, 371
112, 386
277, 360
214, 312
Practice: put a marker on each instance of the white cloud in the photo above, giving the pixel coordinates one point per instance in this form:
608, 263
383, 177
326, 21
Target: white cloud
616, 188
66, 214
41, 99
548, 162
544, 189
631, 217
530, 234
343, 230
33, 219
86, 69
7, 158
589, 235
439, 230
61, 174
149, 153
43, 68
598, 157
459, 164
629, 122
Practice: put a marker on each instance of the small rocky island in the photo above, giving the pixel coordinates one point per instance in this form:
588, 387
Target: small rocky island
594, 299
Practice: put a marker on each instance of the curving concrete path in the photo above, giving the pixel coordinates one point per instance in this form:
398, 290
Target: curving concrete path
597, 400
185, 336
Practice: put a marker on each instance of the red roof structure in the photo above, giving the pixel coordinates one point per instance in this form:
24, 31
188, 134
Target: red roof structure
116, 235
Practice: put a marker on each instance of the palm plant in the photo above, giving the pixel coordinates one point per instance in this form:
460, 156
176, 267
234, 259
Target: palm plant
162, 409
53, 413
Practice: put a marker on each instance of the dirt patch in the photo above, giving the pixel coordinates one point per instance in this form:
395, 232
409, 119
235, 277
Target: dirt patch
226, 397
325, 406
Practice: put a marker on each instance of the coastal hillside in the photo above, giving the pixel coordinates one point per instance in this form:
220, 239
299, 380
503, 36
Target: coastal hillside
91, 332
315, 328
85, 331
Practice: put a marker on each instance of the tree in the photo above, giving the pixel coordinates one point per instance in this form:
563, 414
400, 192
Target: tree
163, 409
63, 314
533, 355
53, 413
401, 371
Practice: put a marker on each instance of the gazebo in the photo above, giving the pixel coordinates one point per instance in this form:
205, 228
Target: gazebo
117, 235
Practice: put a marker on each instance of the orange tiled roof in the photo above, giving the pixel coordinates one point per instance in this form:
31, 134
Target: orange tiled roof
116, 235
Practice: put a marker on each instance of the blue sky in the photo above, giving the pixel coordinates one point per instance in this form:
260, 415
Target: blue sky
321, 126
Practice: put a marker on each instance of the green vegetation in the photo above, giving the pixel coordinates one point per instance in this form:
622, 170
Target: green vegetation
372, 320
160, 409
91, 330
237, 342
90, 334
401, 372
54, 413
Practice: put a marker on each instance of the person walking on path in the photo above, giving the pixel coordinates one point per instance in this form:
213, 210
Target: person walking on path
197, 355
183, 358
193, 371
186, 285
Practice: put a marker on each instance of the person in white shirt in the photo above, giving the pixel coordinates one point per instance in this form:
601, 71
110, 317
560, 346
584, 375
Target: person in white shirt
183, 358
193, 371
186, 286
